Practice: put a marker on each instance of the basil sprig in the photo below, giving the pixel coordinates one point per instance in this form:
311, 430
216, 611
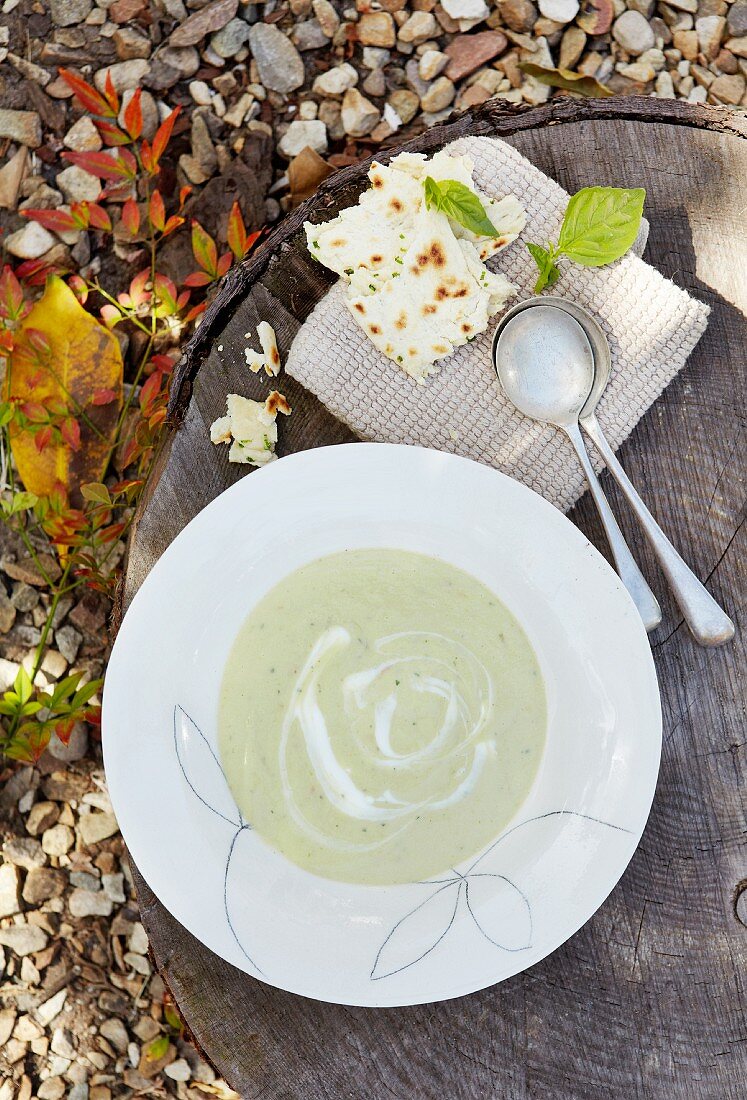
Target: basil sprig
599, 226
457, 201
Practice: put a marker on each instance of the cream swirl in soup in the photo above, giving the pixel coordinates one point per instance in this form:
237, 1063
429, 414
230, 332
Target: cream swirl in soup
382, 716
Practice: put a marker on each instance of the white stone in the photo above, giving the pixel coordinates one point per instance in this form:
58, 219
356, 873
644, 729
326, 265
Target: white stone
561, 11
77, 185
375, 57
236, 114
83, 136
336, 81
115, 1032
23, 939
31, 242
178, 1070
431, 64
359, 115
200, 93
113, 887
466, 9
633, 32
96, 827
126, 75
58, 840
10, 890
300, 134
138, 939
419, 28
89, 903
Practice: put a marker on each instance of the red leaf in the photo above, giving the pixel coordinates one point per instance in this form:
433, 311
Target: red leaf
11, 295
182, 300
236, 234
131, 217
70, 432
111, 134
58, 221
198, 278
164, 363
103, 397
184, 193
39, 341
157, 418
64, 728
252, 239
224, 263
36, 272
79, 288
204, 250
150, 390
42, 438
99, 217
121, 166
89, 98
195, 312
110, 93
173, 223
129, 453
110, 315
133, 116
163, 136
138, 292
34, 412
156, 211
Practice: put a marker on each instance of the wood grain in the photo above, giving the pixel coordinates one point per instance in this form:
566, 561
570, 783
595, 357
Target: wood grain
647, 1000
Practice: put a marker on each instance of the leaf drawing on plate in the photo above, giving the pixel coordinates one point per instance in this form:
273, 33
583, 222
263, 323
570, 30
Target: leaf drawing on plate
202, 770
204, 775
511, 914
428, 922
500, 911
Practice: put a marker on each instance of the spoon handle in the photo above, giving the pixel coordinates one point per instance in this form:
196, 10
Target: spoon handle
626, 566
708, 622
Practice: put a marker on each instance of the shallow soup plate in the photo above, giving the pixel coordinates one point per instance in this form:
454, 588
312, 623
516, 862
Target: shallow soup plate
479, 922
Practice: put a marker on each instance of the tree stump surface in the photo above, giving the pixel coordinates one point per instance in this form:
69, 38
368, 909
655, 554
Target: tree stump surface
648, 999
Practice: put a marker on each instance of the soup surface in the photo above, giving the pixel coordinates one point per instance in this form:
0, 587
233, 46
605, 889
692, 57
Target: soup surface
382, 716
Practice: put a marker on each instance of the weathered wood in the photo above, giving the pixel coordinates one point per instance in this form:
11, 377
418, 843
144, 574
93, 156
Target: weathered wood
647, 1000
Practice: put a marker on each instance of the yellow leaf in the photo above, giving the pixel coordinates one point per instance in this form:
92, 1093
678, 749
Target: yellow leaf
63, 357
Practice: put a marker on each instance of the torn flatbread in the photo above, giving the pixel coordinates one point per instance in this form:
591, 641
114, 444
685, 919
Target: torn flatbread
250, 427
418, 285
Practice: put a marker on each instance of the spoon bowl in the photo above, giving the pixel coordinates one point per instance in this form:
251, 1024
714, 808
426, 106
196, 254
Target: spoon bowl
545, 363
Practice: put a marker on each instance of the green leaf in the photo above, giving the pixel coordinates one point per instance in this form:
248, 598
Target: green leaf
96, 491
23, 687
459, 203
601, 224
567, 79
21, 502
549, 272
172, 1017
157, 1048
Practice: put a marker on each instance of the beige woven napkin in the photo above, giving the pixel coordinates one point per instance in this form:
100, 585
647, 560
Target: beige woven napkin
651, 324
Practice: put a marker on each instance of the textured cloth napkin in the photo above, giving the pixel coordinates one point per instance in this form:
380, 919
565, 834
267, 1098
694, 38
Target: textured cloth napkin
651, 324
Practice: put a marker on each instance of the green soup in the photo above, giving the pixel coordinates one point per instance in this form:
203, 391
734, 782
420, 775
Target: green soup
382, 716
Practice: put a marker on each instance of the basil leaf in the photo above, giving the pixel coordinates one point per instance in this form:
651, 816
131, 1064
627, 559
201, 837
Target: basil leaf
601, 224
549, 272
458, 202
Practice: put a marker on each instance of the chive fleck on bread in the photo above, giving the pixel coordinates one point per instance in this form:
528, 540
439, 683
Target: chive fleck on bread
417, 282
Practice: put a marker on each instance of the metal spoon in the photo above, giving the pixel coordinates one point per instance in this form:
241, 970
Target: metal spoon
546, 367
708, 622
